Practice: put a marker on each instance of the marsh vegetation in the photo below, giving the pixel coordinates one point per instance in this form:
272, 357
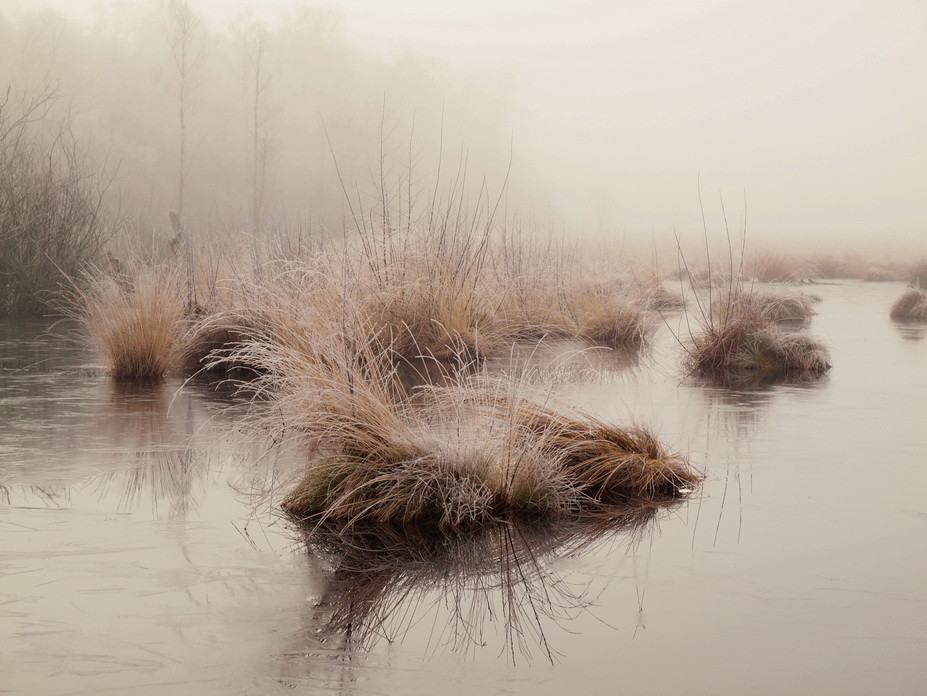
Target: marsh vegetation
258, 269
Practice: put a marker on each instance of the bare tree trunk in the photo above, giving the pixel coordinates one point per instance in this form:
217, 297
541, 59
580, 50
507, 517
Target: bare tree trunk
188, 47
254, 42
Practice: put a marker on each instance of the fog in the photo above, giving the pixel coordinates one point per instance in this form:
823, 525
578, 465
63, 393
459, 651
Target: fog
615, 116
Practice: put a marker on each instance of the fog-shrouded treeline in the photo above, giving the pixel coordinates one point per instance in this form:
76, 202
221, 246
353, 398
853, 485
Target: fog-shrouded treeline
277, 122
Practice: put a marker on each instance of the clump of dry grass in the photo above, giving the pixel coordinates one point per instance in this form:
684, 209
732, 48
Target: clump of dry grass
918, 274
135, 321
739, 341
608, 464
455, 456
772, 306
659, 298
600, 313
771, 267
911, 306
431, 303
601, 317
884, 273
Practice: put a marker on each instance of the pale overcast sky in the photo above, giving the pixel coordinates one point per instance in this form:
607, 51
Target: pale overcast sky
817, 109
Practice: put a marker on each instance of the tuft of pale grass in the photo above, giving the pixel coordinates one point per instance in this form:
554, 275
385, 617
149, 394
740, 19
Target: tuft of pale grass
599, 313
772, 267
884, 273
659, 298
741, 342
447, 456
610, 465
772, 306
918, 274
134, 320
911, 306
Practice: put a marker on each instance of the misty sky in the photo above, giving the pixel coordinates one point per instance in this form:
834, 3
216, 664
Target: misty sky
816, 110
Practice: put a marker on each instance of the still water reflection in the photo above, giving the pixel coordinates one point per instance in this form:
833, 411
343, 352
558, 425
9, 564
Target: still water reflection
136, 559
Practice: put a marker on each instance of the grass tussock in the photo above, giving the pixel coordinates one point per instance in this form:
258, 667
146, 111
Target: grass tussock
447, 456
771, 306
414, 296
740, 342
210, 341
608, 464
911, 306
771, 267
918, 274
599, 313
135, 321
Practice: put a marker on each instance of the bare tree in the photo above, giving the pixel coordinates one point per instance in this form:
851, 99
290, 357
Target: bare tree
254, 43
51, 202
188, 47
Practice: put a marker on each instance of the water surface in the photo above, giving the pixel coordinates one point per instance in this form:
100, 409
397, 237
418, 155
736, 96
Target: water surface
137, 558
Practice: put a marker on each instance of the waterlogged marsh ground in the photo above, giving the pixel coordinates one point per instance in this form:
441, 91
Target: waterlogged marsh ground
133, 559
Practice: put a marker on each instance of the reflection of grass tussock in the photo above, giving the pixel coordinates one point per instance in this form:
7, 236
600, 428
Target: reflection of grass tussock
166, 476
911, 306
385, 579
453, 456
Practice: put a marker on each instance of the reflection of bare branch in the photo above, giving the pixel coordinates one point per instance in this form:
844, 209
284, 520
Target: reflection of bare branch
385, 581
167, 475
53, 497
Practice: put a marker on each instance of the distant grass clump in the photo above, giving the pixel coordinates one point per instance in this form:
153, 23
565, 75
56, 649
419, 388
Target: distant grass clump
911, 306
551, 302
918, 274
770, 267
739, 342
772, 306
136, 321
